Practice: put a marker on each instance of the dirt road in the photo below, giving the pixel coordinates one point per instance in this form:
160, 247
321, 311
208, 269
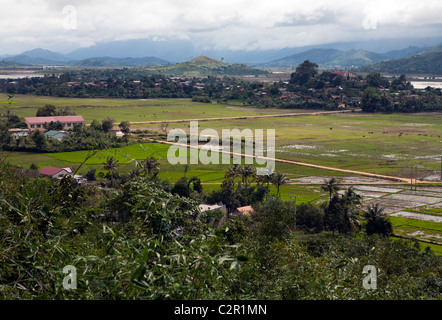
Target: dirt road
246, 117
366, 174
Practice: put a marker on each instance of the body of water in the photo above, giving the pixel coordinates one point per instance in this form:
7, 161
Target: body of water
20, 75
424, 84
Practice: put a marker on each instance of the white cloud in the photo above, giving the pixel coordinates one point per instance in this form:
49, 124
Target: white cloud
229, 23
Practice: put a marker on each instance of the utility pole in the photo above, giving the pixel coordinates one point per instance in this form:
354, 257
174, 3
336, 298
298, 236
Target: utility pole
415, 178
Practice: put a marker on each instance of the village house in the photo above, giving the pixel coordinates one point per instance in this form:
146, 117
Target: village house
18, 133
57, 135
55, 172
40, 123
58, 173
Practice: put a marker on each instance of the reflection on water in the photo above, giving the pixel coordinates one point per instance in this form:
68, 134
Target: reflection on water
424, 84
20, 75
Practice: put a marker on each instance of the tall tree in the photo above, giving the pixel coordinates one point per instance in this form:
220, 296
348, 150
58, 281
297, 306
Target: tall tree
111, 165
39, 139
278, 179
341, 215
125, 127
151, 166
304, 73
331, 186
107, 124
376, 220
233, 172
46, 111
247, 173
370, 100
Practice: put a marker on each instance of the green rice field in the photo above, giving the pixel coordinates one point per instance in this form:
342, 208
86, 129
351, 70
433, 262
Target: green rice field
389, 144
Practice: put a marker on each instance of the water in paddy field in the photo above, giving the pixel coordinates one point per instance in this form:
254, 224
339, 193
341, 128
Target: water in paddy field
424, 84
20, 75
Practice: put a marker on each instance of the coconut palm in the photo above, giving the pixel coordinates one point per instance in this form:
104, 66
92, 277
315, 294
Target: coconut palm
110, 165
233, 172
247, 173
331, 186
351, 197
264, 179
278, 179
377, 220
151, 166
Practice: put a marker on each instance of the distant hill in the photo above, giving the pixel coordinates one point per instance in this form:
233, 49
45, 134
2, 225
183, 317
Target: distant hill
403, 53
319, 56
39, 57
205, 66
10, 64
340, 58
120, 62
434, 49
428, 61
328, 58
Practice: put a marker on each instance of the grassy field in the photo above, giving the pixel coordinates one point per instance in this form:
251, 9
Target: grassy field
389, 144
133, 110
377, 143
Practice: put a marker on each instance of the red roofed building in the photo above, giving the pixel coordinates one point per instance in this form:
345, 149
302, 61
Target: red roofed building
55, 172
39, 123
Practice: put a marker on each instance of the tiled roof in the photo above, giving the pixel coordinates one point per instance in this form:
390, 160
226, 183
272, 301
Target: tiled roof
51, 133
246, 210
62, 119
49, 171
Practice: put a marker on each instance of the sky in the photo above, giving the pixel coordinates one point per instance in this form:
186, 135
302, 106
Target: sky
65, 25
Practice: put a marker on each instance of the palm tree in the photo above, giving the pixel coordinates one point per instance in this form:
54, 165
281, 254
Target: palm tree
110, 165
373, 212
377, 220
264, 179
351, 197
278, 179
331, 186
151, 165
233, 172
247, 172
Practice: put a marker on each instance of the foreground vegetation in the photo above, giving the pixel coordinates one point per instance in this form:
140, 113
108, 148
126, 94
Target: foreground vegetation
141, 240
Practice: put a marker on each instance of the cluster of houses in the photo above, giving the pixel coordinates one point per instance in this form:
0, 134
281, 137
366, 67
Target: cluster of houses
41, 123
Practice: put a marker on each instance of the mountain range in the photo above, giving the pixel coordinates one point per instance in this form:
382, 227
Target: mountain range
428, 61
131, 53
339, 58
46, 57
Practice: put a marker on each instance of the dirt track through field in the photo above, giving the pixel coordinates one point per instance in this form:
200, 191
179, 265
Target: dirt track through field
245, 117
366, 174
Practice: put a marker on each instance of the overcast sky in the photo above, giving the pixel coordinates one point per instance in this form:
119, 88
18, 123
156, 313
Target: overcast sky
62, 26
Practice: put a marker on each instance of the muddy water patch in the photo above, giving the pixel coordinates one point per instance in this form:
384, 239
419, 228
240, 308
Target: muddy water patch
417, 216
378, 189
413, 198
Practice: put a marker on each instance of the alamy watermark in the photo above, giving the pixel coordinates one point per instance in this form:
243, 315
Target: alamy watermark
231, 148
70, 21
70, 281
370, 281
